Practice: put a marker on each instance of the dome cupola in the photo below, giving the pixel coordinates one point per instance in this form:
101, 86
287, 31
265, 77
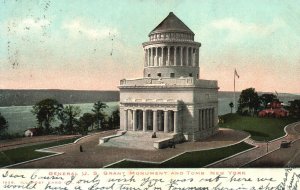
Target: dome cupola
171, 50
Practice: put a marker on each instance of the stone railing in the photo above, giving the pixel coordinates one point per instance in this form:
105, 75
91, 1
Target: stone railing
186, 81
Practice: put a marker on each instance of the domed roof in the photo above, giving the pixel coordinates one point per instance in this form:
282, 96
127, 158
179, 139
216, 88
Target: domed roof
171, 24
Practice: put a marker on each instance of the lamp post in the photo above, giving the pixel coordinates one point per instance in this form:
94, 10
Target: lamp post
267, 146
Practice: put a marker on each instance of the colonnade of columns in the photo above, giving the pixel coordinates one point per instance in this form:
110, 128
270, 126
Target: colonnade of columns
206, 118
171, 56
151, 120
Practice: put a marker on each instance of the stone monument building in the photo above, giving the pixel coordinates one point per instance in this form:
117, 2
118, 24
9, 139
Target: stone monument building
170, 98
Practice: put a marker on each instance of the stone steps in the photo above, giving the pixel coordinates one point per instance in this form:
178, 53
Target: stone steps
136, 140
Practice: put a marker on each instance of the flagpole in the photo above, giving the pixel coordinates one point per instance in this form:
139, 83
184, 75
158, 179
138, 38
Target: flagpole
234, 106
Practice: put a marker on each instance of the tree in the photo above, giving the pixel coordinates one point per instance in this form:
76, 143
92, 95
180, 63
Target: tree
295, 108
99, 114
114, 119
267, 98
3, 124
69, 116
231, 106
85, 121
46, 111
248, 101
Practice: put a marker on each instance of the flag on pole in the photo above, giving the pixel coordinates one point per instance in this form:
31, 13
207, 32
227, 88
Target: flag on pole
236, 74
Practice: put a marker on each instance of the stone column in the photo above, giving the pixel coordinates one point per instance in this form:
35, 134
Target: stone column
149, 57
187, 56
181, 55
193, 57
166, 122
126, 120
175, 57
145, 61
211, 117
197, 57
134, 123
204, 119
175, 121
144, 121
168, 61
154, 121
152, 58
162, 56
200, 119
207, 118
156, 54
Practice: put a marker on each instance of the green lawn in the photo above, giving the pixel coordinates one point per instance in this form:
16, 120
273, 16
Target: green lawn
189, 160
22, 154
260, 128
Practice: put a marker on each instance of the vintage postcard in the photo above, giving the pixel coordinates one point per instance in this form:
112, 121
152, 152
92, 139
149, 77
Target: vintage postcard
148, 94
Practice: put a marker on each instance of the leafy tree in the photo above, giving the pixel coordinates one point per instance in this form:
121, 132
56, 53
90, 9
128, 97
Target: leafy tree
99, 114
249, 100
68, 116
46, 111
231, 106
295, 108
267, 98
114, 119
3, 124
85, 121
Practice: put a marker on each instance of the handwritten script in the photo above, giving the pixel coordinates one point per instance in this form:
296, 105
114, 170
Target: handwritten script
154, 179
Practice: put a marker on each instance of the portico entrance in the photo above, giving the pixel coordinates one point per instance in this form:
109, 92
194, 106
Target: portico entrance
150, 119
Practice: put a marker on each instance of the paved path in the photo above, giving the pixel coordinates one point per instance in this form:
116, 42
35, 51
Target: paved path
27, 141
293, 133
283, 157
95, 156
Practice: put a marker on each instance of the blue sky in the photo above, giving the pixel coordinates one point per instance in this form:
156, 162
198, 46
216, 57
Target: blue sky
68, 44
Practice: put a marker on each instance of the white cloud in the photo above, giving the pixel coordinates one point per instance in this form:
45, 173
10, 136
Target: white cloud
238, 28
78, 27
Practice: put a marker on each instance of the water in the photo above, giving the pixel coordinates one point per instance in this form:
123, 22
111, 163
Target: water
21, 118
223, 105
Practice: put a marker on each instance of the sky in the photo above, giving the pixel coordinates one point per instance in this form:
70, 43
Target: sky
93, 44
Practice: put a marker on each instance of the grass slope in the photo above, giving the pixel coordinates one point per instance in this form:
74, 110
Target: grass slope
22, 154
260, 128
190, 159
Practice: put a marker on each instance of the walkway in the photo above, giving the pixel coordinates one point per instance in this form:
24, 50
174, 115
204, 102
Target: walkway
263, 148
95, 156
28, 141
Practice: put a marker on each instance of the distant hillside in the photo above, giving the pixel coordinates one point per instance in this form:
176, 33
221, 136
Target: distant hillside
30, 97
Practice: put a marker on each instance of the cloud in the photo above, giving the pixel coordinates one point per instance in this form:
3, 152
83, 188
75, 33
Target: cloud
238, 28
78, 27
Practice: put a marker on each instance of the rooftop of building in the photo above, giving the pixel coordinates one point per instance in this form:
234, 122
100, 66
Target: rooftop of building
171, 24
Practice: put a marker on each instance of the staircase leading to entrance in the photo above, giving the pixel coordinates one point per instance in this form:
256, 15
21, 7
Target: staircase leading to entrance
137, 140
